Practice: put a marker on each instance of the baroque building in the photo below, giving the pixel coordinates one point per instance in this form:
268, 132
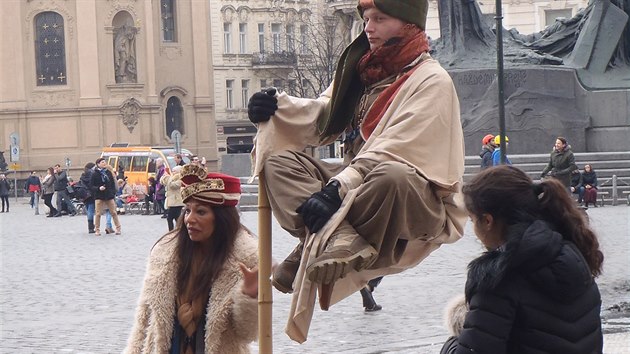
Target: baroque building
78, 75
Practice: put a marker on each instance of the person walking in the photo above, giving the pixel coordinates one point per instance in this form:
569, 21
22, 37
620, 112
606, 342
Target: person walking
496, 154
561, 163
85, 182
104, 191
487, 148
398, 110
201, 284
174, 202
48, 190
61, 188
5, 189
534, 290
33, 187
160, 189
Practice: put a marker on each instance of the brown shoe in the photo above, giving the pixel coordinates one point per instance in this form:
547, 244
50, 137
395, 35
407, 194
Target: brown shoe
284, 273
109, 230
345, 251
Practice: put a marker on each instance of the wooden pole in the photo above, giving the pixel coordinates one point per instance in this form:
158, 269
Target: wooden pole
265, 298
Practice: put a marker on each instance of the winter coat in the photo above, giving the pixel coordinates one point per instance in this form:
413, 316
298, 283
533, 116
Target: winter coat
48, 184
589, 178
496, 157
173, 184
535, 296
486, 156
561, 164
5, 187
61, 181
98, 180
86, 182
231, 318
32, 184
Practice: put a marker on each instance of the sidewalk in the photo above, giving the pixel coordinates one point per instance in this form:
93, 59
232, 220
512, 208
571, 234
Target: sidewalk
64, 291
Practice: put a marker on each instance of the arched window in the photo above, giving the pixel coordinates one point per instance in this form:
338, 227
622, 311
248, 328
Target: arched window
174, 116
167, 12
50, 50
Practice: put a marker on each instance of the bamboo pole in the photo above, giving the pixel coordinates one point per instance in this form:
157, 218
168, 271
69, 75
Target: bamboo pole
265, 298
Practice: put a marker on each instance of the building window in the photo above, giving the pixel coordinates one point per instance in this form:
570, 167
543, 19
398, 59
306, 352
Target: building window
275, 36
263, 84
167, 9
261, 37
303, 39
277, 83
227, 38
229, 94
291, 87
290, 38
174, 116
50, 50
244, 92
242, 37
552, 15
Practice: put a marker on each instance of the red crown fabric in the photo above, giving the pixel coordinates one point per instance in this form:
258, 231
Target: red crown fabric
214, 188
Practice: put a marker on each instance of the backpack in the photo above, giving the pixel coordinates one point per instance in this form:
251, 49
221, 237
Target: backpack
81, 192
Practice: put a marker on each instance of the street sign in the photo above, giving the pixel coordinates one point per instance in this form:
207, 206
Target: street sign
14, 138
15, 166
15, 153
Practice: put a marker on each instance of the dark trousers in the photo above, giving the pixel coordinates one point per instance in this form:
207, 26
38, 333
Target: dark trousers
5, 200
172, 214
48, 203
62, 197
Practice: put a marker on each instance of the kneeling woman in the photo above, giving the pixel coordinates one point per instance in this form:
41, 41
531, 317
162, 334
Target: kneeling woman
201, 283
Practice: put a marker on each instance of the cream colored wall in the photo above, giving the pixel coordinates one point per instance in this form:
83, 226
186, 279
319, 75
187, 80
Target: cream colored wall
77, 119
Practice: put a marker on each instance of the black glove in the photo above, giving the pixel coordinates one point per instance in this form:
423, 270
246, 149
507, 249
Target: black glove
262, 105
318, 209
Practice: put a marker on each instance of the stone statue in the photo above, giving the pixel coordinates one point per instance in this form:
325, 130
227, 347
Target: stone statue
125, 54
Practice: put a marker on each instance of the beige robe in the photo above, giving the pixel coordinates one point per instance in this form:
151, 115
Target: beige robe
425, 111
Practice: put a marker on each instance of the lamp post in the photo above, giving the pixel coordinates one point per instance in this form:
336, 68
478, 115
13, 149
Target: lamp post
499, 34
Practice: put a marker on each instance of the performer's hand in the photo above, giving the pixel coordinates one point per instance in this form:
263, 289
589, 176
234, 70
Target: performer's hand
318, 209
250, 280
262, 105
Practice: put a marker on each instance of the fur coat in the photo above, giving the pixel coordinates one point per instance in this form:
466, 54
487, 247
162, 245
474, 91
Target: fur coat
232, 317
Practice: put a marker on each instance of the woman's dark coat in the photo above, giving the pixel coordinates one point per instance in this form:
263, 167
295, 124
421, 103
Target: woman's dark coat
536, 296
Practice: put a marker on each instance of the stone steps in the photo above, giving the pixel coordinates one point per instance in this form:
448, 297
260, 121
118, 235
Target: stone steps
605, 164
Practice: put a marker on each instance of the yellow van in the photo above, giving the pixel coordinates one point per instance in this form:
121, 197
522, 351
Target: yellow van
138, 162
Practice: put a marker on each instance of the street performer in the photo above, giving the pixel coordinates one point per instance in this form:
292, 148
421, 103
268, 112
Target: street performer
397, 196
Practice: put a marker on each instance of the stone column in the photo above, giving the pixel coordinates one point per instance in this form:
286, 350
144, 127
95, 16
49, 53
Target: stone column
87, 49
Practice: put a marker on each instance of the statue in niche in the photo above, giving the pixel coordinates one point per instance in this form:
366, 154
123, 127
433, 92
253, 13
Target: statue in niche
125, 55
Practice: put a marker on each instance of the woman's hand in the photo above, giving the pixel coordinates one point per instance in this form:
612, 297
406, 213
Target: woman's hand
250, 280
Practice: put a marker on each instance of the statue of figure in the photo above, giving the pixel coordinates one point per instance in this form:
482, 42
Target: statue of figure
3, 162
125, 54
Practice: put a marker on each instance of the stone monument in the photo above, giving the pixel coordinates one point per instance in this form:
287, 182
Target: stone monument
572, 79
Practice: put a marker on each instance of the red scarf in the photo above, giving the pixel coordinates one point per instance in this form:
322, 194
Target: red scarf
385, 61
390, 58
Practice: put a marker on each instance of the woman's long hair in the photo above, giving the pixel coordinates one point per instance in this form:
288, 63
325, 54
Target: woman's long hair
510, 196
217, 249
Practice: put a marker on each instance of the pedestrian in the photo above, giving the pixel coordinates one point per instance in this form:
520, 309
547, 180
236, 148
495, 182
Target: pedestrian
400, 114
369, 304
561, 163
61, 188
588, 188
33, 187
487, 147
533, 291
85, 182
149, 197
496, 154
174, 202
104, 192
5, 188
48, 190
160, 189
201, 284
179, 160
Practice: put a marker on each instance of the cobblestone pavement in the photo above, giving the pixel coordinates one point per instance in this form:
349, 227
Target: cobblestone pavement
64, 291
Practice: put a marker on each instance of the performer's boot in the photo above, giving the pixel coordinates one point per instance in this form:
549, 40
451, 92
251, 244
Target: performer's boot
369, 303
284, 273
345, 251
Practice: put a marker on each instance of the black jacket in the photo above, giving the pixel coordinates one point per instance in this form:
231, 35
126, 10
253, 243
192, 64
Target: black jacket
108, 180
61, 181
536, 296
486, 156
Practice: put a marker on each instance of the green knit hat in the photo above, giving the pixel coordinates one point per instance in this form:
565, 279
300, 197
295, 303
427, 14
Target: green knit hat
411, 11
